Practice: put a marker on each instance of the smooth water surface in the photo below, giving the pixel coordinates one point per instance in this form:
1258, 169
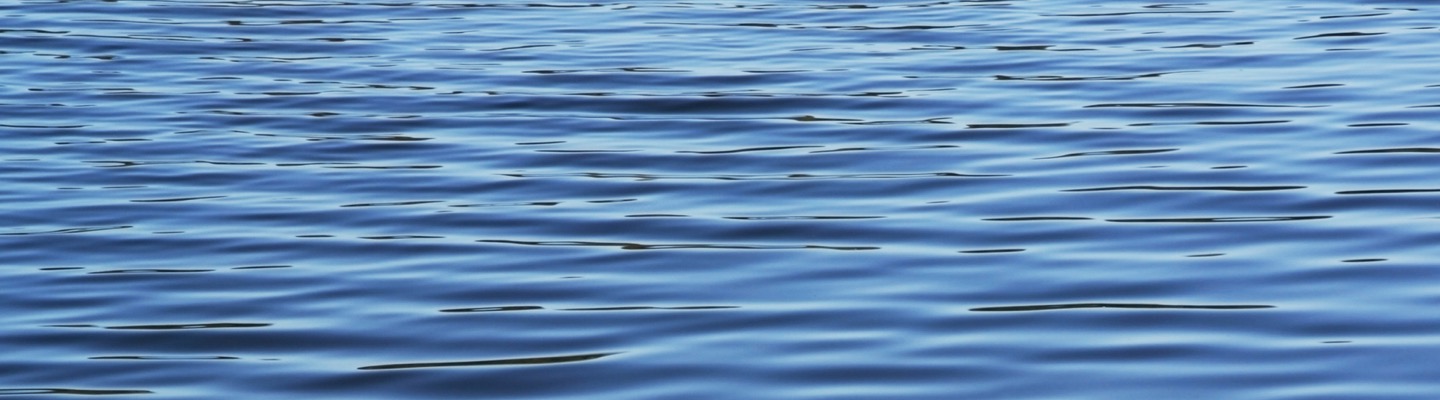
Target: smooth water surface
974, 199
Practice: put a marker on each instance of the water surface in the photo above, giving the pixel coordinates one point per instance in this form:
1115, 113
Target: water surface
1023, 199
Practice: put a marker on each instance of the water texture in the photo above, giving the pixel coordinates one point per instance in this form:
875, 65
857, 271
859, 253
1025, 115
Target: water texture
974, 199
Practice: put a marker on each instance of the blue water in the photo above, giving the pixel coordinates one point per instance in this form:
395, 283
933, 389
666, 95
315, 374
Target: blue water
974, 199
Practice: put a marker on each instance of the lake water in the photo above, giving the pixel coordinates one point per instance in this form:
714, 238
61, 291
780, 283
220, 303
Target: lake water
973, 199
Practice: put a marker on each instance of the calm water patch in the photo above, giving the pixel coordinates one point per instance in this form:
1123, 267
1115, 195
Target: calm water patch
1017, 199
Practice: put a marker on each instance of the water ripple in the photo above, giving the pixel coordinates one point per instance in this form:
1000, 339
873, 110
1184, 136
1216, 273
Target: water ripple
69, 230
648, 177
1109, 153
1048, 307
1223, 219
214, 325
82, 392
509, 361
1190, 188
643, 246
253, 198
165, 358
617, 308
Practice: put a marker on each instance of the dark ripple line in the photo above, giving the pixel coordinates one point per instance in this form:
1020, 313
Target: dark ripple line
69, 230
177, 199
624, 69
1024, 48
750, 149
812, 118
1193, 188
86, 392
289, 93
1194, 105
619, 308
635, 308
1222, 219
304, 22
1135, 13
933, 121
105, 141
1353, 15
1364, 260
1340, 34
1084, 78
648, 177
586, 151
845, 149
215, 325
81, 89
903, 27
1395, 150
167, 38
1388, 191
1047, 307
37, 105
123, 163
533, 203
1017, 126
1315, 86
150, 271
744, 93
530, 46
492, 309
992, 251
34, 31
1277, 121
802, 118
804, 217
43, 126
1109, 152
508, 361
1376, 124
1210, 45
387, 167
641, 246
313, 163
166, 358
263, 267
1039, 219
398, 203
830, 27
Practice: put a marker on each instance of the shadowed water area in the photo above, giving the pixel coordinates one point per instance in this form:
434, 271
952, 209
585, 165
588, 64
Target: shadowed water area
973, 199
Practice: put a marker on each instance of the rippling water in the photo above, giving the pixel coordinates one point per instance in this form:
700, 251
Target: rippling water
973, 199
